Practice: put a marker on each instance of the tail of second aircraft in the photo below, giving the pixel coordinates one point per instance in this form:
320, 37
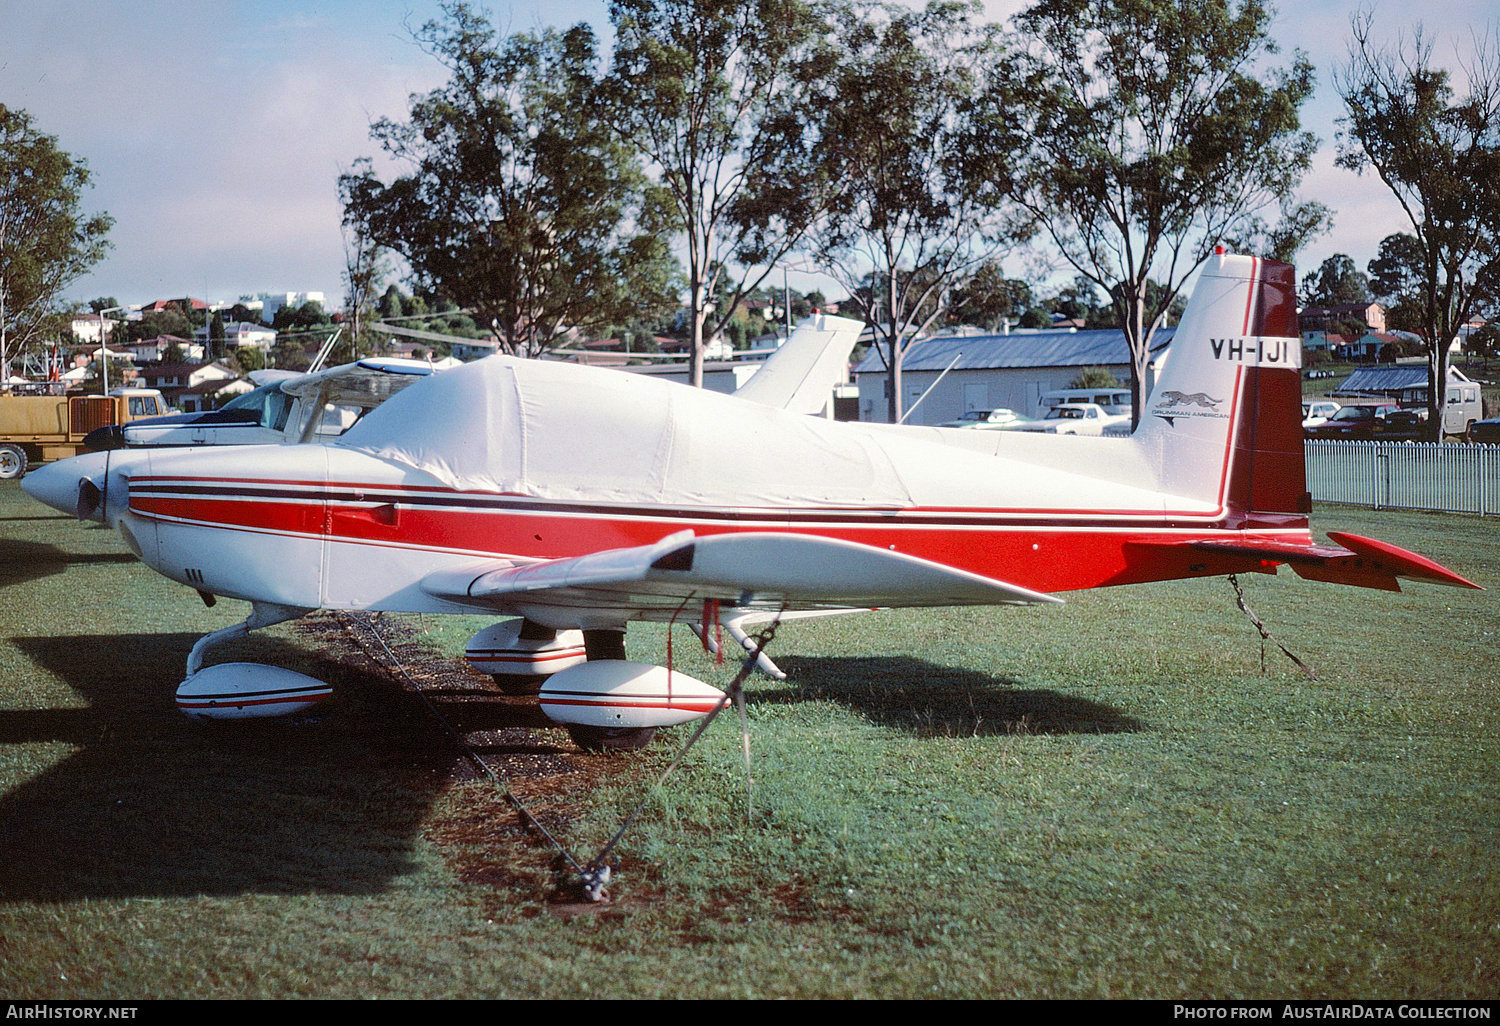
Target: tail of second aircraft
1224, 420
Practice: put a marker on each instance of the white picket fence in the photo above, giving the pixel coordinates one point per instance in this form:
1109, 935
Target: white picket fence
1406, 475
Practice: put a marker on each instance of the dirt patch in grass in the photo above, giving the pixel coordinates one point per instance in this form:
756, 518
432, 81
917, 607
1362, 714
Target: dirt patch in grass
527, 761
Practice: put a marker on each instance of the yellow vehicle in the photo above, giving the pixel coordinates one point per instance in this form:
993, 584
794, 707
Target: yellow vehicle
36, 427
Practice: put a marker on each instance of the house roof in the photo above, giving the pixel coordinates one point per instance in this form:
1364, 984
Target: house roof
177, 370
162, 341
206, 387
1099, 348
161, 304
1381, 380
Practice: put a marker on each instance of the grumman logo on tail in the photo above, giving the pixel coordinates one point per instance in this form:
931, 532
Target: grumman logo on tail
1258, 351
1171, 397
1174, 405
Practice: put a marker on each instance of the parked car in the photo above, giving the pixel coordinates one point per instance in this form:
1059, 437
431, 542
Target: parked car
1405, 425
1363, 421
1486, 431
1115, 402
1075, 419
987, 420
1317, 411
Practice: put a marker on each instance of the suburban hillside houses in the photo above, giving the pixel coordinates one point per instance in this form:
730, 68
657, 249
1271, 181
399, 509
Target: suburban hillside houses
90, 327
188, 383
270, 302
1331, 318
153, 350
242, 335
192, 387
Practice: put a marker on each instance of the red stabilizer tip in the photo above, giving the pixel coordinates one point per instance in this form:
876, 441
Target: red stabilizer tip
1401, 562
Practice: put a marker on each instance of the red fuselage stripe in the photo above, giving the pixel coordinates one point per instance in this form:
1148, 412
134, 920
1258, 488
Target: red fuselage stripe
706, 705
218, 702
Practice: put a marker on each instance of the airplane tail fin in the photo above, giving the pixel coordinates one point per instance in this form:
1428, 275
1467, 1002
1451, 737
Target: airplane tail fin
801, 375
1224, 421
1224, 427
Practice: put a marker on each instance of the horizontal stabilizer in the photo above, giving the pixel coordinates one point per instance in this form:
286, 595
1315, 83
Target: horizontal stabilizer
793, 571
1360, 562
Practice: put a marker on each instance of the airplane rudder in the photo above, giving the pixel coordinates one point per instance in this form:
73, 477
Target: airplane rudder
1225, 416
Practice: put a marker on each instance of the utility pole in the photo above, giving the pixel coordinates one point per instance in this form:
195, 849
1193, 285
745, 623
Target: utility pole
104, 348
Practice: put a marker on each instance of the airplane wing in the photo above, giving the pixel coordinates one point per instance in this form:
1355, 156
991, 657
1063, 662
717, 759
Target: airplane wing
750, 570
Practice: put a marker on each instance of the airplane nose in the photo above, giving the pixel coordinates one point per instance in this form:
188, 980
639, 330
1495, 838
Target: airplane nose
66, 484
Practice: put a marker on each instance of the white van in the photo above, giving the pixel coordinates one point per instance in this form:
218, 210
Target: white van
1114, 401
1464, 407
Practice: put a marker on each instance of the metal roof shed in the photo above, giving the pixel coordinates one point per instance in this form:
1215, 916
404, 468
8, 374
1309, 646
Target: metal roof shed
993, 371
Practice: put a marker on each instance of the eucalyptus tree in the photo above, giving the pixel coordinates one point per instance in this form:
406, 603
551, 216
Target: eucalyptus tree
1153, 133
922, 168
1439, 154
710, 91
1337, 280
520, 203
989, 299
365, 270
1396, 278
47, 242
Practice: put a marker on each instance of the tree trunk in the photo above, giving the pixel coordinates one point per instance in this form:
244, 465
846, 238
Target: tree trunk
897, 406
697, 304
699, 314
1437, 388
1136, 339
893, 378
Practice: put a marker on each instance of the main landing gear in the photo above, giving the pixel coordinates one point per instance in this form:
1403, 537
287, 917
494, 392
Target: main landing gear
522, 656
606, 644
583, 681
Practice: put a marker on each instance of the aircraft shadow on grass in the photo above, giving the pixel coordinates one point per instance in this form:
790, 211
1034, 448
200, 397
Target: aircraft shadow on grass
22, 561
153, 804
930, 700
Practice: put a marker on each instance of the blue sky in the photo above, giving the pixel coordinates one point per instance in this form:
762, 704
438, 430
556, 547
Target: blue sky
216, 130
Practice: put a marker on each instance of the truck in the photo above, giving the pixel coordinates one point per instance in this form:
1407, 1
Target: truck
40, 423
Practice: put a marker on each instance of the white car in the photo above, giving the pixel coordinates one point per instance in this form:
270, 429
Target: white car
988, 420
1075, 419
1318, 411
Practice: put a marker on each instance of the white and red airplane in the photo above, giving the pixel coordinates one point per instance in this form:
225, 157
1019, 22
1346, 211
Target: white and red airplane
579, 499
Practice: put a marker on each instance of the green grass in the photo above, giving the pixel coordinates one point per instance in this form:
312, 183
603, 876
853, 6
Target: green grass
1104, 799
